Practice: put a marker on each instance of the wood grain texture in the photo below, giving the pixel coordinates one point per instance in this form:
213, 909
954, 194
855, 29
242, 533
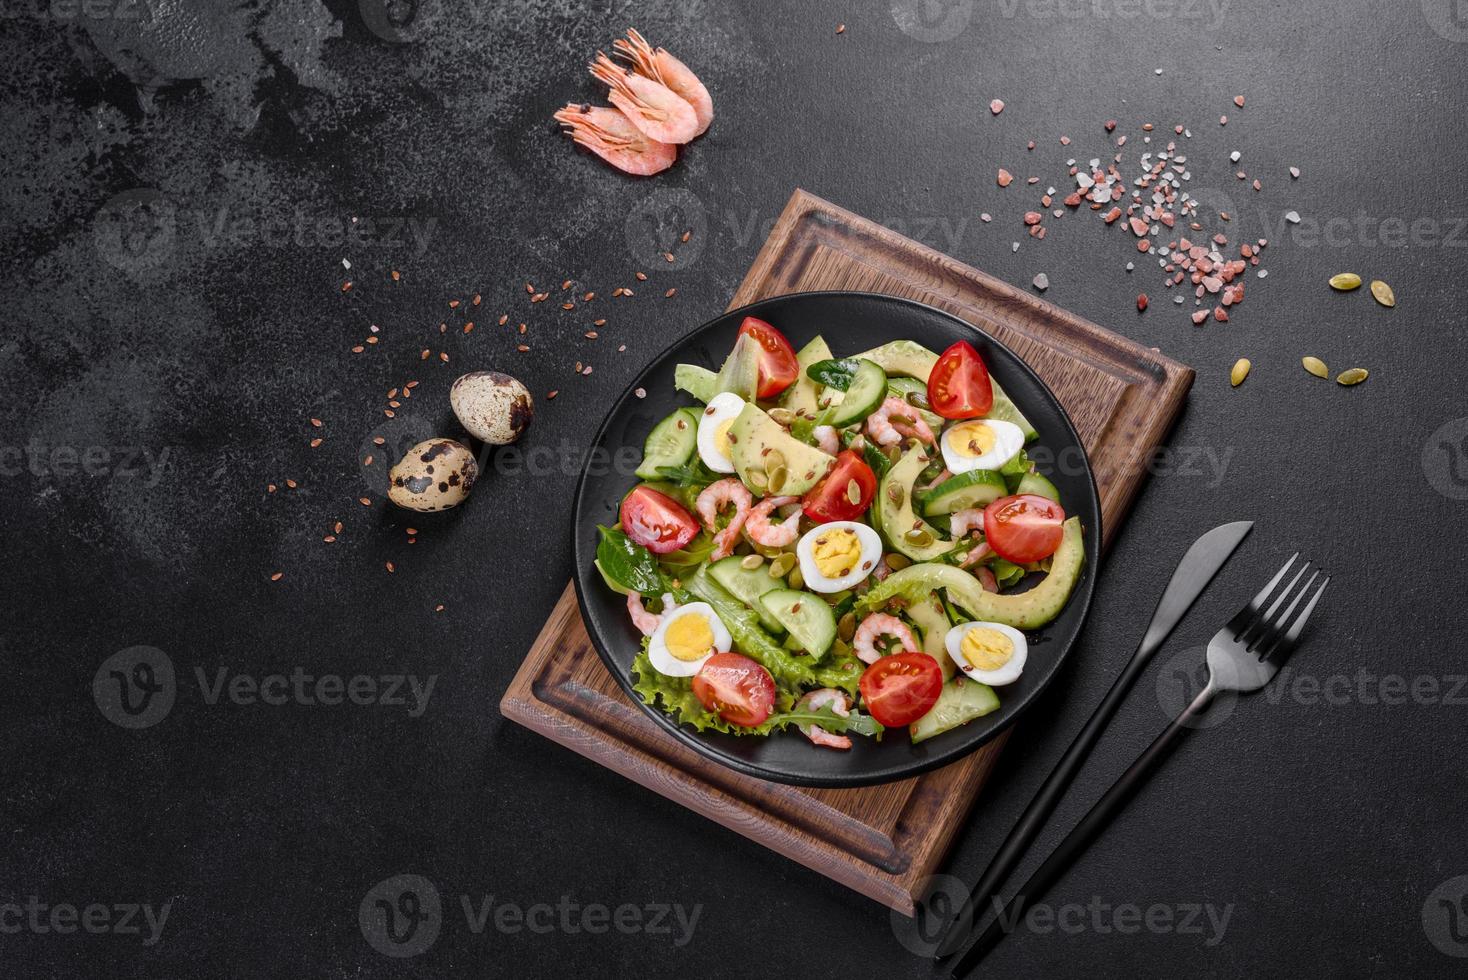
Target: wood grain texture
882, 841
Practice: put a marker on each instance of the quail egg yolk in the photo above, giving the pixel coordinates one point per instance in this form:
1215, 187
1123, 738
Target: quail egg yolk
986, 649
836, 553
972, 439
721, 438
689, 637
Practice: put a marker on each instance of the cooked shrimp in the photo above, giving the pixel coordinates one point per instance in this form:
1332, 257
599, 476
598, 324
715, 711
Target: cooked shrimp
653, 107
963, 521
611, 135
987, 579
828, 439
895, 420
646, 622
658, 65
977, 555
714, 498
943, 475
838, 703
762, 532
864, 644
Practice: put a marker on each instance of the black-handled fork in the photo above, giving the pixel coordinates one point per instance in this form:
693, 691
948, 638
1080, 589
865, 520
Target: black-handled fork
1242, 657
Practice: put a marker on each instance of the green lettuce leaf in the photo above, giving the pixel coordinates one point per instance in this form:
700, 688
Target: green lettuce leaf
628, 563
749, 637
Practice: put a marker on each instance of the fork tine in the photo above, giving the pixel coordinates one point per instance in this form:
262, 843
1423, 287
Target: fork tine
1273, 626
1261, 624
1250, 612
1280, 650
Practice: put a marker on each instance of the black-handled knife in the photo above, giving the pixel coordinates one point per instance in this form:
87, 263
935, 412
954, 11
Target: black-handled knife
1194, 572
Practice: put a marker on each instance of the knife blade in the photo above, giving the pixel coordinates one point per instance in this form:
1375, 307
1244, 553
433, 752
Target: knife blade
1196, 569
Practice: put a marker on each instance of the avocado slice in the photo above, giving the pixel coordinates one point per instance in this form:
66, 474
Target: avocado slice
756, 437
800, 397
928, 616
913, 360
1022, 610
897, 519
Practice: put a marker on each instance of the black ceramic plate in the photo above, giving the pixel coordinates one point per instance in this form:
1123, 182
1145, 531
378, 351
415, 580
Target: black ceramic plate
850, 322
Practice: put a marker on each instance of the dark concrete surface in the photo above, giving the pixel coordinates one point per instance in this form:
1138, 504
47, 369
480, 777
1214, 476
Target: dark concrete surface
179, 182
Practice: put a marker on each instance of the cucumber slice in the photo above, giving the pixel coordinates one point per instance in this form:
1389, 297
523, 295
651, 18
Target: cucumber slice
697, 381
748, 585
867, 390
960, 702
1039, 486
807, 617
976, 488
671, 442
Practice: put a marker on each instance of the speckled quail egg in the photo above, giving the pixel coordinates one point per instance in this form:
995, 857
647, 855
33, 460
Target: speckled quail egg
990, 653
713, 431
493, 407
687, 637
837, 555
434, 475
981, 444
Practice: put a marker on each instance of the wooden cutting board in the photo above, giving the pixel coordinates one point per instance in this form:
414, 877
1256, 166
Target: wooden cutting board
885, 840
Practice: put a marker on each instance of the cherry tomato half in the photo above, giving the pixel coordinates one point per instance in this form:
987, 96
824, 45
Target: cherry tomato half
830, 499
959, 386
736, 688
1024, 528
656, 521
778, 368
900, 689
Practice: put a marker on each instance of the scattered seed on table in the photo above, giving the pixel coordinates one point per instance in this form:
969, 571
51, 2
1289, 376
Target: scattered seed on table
443, 357
621, 348
522, 348
588, 297
396, 275
276, 577
685, 236
291, 483
315, 443
599, 323
1383, 293
269, 488
840, 28
365, 502
1345, 281
453, 304
316, 423
1351, 376
504, 319
389, 566
552, 393
1240, 372
378, 440
641, 276
591, 335
368, 461
1315, 366
671, 293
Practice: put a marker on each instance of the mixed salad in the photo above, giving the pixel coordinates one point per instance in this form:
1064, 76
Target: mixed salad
831, 544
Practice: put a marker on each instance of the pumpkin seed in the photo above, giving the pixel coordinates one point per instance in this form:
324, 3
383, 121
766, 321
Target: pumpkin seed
1383, 293
897, 562
757, 479
796, 580
896, 493
774, 458
777, 477
1240, 372
782, 416
846, 626
853, 491
781, 566
1315, 366
751, 562
1351, 376
916, 399
918, 537
1345, 281
893, 453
